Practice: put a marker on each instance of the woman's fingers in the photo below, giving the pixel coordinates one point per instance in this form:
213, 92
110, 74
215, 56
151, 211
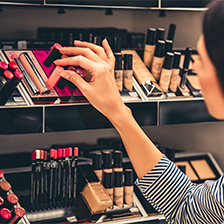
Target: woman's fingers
109, 52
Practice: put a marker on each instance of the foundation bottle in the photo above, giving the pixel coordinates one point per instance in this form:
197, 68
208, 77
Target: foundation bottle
118, 71
166, 72
157, 62
174, 81
160, 33
150, 46
107, 162
118, 189
128, 72
97, 165
108, 185
118, 160
171, 32
92, 191
168, 46
128, 187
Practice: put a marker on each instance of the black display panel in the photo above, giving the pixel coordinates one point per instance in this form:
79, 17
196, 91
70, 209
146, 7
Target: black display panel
184, 3
23, 1
107, 3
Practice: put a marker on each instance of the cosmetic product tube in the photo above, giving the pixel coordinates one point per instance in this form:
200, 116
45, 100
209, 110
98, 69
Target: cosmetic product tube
164, 80
63, 178
128, 187
3, 67
54, 77
150, 46
60, 167
5, 186
118, 161
168, 46
117, 45
108, 185
118, 71
7, 91
160, 32
174, 80
12, 66
1, 175
92, 191
97, 40
17, 214
171, 32
51, 179
55, 178
74, 173
118, 189
33, 73
184, 71
5, 215
69, 177
10, 201
5, 79
128, 72
38, 180
107, 162
157, 62
46, 169
27, 78
41, 179
97, 165
53, 55
33, 180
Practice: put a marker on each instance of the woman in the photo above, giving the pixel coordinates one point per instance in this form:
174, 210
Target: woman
160, 181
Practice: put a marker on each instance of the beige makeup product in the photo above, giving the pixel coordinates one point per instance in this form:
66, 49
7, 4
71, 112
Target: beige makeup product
108, 185
128, 187
150, 46
157, 62
93, 192
174, 81
128, 72
118, 189
164, 80
97, 165
118, 71
118, 160
143, 75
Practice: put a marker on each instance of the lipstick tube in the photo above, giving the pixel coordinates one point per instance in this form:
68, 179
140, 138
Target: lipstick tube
54, 77
108, 185
17, 214
55, 178
33, 73
150, 46
157, 62
60, 167
5, 186
27, 78
53, 55
128, 72
38, 179
174, 80
184, 71
118, 161
118, 71
51, 179
69, 180
128, 187
41, 179
10, 201
97, 165
1, 175
74, 173
118, 189
5, 215
164, 80
64, 175
18, 76
45, 173
33, 180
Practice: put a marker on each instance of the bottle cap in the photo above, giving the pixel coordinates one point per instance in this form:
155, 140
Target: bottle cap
128, 59
12, 198
8, 74
108, 180
107, 160
5, 213
97, 161
118, 61
128, 177
168, 46
45, 155
55, 154
1, 201
41, 154
168, 62
97, 40
52, 153
1, 174
160, 48
5, 185
118, 179
118, 159
151, 36
13, 65
33, 155
187, 58
37, 153
117, 44
59, 153
171, 32
76, 151
70, 151
160, 32
63, 152
3, 65
176, 60
19, 211
18, 74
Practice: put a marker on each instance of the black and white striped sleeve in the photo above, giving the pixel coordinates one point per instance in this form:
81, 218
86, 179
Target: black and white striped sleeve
173, 194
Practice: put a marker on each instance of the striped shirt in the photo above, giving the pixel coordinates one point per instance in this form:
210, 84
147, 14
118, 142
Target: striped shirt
182, 202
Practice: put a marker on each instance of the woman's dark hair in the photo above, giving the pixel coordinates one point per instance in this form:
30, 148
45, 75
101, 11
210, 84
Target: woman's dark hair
213, 30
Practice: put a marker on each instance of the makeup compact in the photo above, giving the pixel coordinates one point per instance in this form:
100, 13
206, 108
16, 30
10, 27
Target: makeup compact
199, 166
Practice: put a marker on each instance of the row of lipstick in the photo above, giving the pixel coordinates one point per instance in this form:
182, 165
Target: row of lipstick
53, 178
10, 211
10, 76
